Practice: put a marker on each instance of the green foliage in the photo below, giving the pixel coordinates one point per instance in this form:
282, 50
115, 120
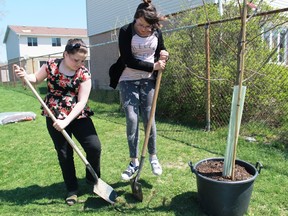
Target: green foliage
185, 77
269, 105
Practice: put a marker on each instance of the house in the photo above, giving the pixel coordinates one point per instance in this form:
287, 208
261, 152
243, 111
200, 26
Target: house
33, 45
104, 19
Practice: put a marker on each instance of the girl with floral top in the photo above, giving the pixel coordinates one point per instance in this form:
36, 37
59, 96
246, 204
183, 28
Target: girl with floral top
68, 90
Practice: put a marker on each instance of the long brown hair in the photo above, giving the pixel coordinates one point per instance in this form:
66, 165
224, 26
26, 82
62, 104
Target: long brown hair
148, 11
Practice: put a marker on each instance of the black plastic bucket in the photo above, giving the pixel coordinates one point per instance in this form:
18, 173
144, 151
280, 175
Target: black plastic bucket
225, 198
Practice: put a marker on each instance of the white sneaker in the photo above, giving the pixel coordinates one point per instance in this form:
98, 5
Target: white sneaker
130, 172
156, 167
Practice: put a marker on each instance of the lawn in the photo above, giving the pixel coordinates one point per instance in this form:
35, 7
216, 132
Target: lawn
31, 181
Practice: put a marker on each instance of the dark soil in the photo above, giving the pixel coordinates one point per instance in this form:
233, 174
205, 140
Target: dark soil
213, 170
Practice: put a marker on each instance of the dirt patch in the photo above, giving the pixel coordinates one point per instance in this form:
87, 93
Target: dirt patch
213, 170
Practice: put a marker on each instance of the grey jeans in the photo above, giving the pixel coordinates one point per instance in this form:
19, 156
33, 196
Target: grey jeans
137, 97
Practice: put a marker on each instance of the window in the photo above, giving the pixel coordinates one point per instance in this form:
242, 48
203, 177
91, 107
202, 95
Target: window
32, 41
282, 51
277, 40
56, 41
267, 37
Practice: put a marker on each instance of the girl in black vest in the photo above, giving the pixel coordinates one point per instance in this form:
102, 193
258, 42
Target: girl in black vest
143, 52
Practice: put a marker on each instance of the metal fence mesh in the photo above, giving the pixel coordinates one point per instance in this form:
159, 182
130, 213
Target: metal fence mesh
197, 85
203, 69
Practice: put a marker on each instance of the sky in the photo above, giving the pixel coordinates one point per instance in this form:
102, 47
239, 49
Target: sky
51, 13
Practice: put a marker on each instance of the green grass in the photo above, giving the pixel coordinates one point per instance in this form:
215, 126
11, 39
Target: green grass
31, 181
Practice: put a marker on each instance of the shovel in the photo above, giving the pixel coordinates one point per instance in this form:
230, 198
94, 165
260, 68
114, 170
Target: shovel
135, 185
100, 187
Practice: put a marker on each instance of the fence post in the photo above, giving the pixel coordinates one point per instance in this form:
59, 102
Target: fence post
208, 89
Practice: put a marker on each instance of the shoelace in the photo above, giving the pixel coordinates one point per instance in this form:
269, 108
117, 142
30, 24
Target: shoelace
131, 169
154, 162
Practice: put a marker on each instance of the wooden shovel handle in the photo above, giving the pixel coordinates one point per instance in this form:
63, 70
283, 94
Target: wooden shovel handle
152, 113
149, 125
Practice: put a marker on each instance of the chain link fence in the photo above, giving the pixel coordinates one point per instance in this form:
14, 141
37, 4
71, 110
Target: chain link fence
197, 86
31, 64
203, 68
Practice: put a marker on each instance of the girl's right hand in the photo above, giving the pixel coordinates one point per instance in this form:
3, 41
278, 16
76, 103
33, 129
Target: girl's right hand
60, 125
19, 71
160, 65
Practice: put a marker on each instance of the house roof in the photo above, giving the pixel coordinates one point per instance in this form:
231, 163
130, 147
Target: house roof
44, 31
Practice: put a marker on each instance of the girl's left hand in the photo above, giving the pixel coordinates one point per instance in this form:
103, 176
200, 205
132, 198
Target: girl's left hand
19, 71
164, 55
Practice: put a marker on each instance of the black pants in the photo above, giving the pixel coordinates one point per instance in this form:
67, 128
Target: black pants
84, 131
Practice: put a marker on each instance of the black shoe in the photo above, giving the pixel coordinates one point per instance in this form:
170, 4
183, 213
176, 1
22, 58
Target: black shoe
71, 198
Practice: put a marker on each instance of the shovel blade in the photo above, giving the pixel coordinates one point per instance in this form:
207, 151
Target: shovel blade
137, 190
105, 191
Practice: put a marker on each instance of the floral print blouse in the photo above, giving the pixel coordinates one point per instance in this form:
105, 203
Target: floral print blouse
62, 90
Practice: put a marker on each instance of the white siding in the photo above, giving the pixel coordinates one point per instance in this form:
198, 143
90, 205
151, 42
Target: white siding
106, 15
12, 50
44, 46
273, 3
279, 3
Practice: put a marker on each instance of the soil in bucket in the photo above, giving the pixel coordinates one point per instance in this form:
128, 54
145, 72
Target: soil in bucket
213, 169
